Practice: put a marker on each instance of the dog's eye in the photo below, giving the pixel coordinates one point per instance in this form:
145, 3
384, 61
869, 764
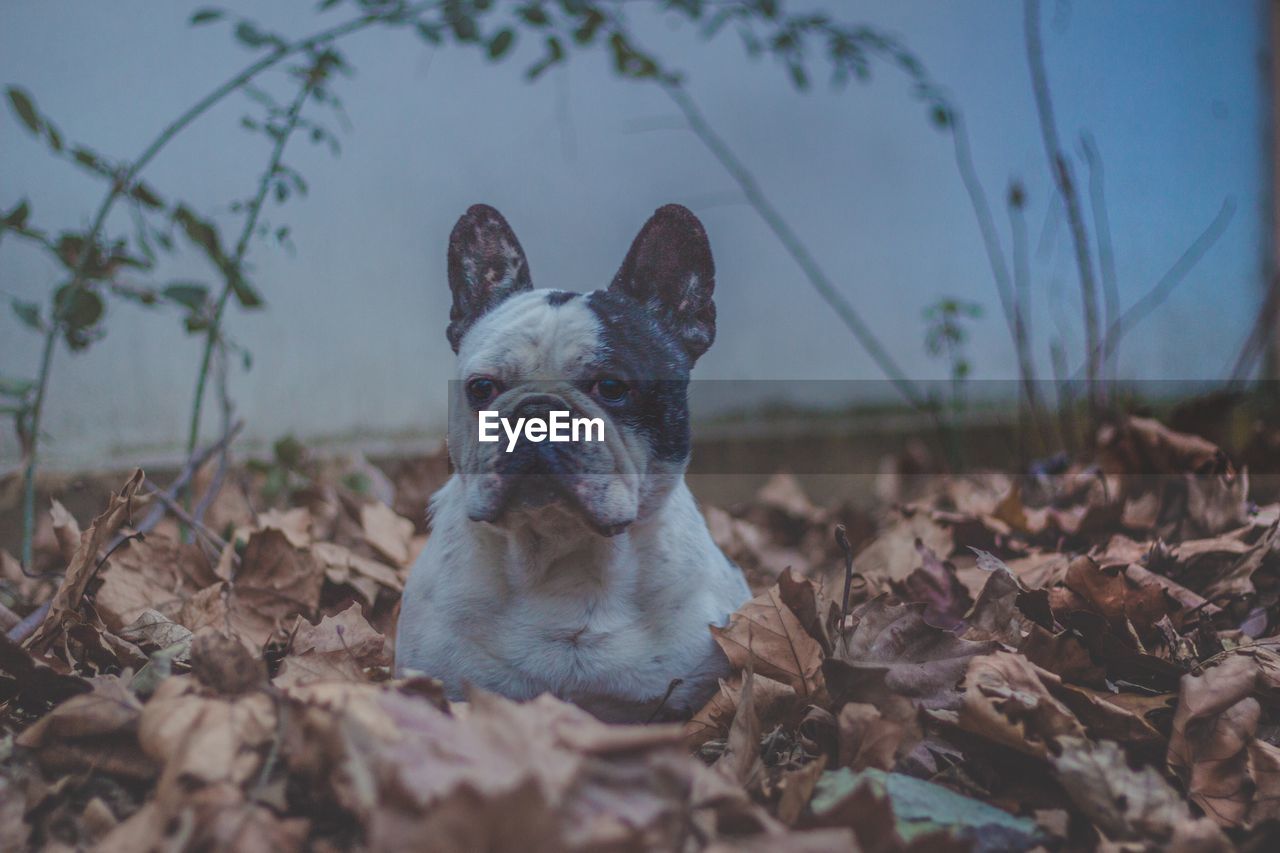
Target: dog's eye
481, 390
612, 390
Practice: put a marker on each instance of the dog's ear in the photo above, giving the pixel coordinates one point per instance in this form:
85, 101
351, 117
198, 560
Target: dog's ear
669, 269
486, 265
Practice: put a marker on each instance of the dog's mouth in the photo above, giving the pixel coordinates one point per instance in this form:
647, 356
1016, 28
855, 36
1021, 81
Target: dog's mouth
533, 491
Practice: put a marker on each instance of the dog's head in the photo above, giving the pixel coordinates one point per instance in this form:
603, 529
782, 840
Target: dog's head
621, 355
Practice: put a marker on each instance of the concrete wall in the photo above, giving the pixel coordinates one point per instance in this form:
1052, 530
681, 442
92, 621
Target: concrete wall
351, 346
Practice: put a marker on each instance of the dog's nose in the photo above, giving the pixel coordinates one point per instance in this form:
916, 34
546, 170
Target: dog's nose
539, 406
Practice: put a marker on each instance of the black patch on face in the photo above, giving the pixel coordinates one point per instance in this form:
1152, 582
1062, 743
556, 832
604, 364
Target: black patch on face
559, 297
637, 347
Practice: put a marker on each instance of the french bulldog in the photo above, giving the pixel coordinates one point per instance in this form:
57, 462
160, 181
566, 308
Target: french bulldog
583, 569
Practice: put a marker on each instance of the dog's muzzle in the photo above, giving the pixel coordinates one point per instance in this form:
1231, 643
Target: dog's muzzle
534, 475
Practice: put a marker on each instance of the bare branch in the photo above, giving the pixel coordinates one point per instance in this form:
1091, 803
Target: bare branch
794, 246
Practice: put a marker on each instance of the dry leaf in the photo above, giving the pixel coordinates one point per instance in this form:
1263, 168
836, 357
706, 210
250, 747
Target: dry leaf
1214, 747
85, 562
198, 738
389, 534
765, 634
342, 646
867, 739
276, 582
1127, 804
911, 658
95, 731
1006, 700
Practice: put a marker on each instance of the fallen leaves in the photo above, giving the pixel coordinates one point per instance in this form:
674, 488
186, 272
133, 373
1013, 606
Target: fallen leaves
1215, 746
905, 655
1080, 660
768, 635
84, 563
1127, 804
539, 776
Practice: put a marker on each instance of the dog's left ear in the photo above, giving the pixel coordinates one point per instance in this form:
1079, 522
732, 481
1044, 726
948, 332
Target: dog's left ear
486, 265
669, 269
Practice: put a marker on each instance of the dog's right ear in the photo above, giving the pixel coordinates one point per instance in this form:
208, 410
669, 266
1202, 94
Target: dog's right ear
486, 265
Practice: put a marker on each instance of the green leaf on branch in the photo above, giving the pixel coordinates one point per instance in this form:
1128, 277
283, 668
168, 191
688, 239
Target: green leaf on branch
533, 15
554, 55
200, 232
246, 294
248, 34
54, 138
25, 109
799, 78
191, 295
462, 23
28, 313
144, 194
585, 33
90, 161
17, 218
143, 296
206, 16
77, 307
430, 33
15, 388
501, 43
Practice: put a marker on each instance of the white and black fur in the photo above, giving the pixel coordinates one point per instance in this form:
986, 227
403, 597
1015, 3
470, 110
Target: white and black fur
582, 569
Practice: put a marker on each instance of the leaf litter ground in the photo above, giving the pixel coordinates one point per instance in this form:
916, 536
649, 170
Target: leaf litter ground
1070, 661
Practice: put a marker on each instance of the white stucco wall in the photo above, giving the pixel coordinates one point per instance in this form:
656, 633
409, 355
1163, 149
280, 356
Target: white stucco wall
351, 345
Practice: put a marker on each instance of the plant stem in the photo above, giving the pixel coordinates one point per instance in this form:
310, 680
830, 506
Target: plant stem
213, 333
33, 440
1022, 326
1061, 170
795, 247
123, 183
1160, 291
1012, 293
1106, 251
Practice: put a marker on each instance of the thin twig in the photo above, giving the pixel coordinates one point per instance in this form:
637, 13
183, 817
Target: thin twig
982, 213
1022, 321
1255, 345
1012, 303
794, 246
31, 452
176, 508
842, 539
8, 619
213, 335
220, 474
1106, 249
1066, 395
666, 697
33, 620
1162, 289
192, 465
1061, 169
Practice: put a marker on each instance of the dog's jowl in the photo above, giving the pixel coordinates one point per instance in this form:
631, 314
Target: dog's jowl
581, 568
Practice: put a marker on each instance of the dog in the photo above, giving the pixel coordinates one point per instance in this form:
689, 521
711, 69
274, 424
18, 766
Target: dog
583, 569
